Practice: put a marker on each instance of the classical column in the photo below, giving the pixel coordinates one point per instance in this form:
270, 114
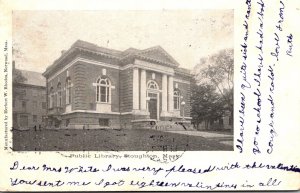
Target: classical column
164, 102
135, 89
170, 95
143, 90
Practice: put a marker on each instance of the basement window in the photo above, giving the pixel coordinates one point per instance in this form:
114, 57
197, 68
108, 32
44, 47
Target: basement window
104, 122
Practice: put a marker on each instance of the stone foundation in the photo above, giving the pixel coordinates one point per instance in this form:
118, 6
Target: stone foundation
85, 120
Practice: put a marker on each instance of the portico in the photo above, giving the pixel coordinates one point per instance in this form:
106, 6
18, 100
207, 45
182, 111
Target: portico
152, 100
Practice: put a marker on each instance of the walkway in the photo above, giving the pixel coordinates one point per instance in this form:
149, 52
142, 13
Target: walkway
226, 139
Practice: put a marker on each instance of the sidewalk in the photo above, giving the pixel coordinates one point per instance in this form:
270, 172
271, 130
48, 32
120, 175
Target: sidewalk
226, 139
202, 134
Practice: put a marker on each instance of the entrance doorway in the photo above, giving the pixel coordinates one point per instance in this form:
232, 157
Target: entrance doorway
153, 108
153, 105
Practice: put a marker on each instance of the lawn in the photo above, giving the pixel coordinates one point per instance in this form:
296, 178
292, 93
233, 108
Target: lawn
112, 140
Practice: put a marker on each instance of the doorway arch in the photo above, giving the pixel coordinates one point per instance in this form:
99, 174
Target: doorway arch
153, 99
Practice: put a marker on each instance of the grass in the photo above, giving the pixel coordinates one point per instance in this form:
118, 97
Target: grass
112, 140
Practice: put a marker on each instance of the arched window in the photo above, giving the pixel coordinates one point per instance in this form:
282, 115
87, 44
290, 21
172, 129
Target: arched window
103, 90
152, 85
59, 99
51, 98
68, 91
176, 100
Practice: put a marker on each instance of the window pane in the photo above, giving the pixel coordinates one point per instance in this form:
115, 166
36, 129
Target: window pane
59, 99
43, 105
35, 104
151, 95
97, 93
107, 96
103, 93
34, 119
103, 98
176, 102
103, 90
69, 93
103, 122
24, 104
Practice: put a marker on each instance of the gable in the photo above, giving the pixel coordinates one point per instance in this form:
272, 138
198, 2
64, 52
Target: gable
157, 53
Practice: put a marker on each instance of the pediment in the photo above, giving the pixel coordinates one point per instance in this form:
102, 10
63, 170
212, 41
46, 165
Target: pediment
159, 54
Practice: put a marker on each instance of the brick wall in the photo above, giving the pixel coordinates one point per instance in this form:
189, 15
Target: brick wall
33, 98
185, 91
93, 72
126, 78
83, 76
62, 77
79, 87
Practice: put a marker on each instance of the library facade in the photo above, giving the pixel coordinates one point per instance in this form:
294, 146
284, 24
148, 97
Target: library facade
90, 87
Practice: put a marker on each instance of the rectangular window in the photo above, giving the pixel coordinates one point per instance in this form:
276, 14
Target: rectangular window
22, 94
34, 92
97, 93
107, 96
34, 104
59, 100
176, 103
103, 94
34, 118
44, 105
23, 121
104, 122
151, 95
42, 94
51, 101
68, 95
67, 122
24, 104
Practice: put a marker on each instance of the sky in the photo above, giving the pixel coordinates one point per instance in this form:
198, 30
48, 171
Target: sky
187, 35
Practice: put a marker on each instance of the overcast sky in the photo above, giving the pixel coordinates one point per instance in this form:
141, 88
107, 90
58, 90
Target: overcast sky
186, 35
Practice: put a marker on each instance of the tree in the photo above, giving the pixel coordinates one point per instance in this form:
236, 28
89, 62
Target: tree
206, 103
218, 72
17, 74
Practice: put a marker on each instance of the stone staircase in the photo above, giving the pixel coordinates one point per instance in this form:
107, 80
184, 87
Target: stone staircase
181, 125
173, 126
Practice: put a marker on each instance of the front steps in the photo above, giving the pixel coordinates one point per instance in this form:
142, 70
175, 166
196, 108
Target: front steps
174, 126
181, 125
